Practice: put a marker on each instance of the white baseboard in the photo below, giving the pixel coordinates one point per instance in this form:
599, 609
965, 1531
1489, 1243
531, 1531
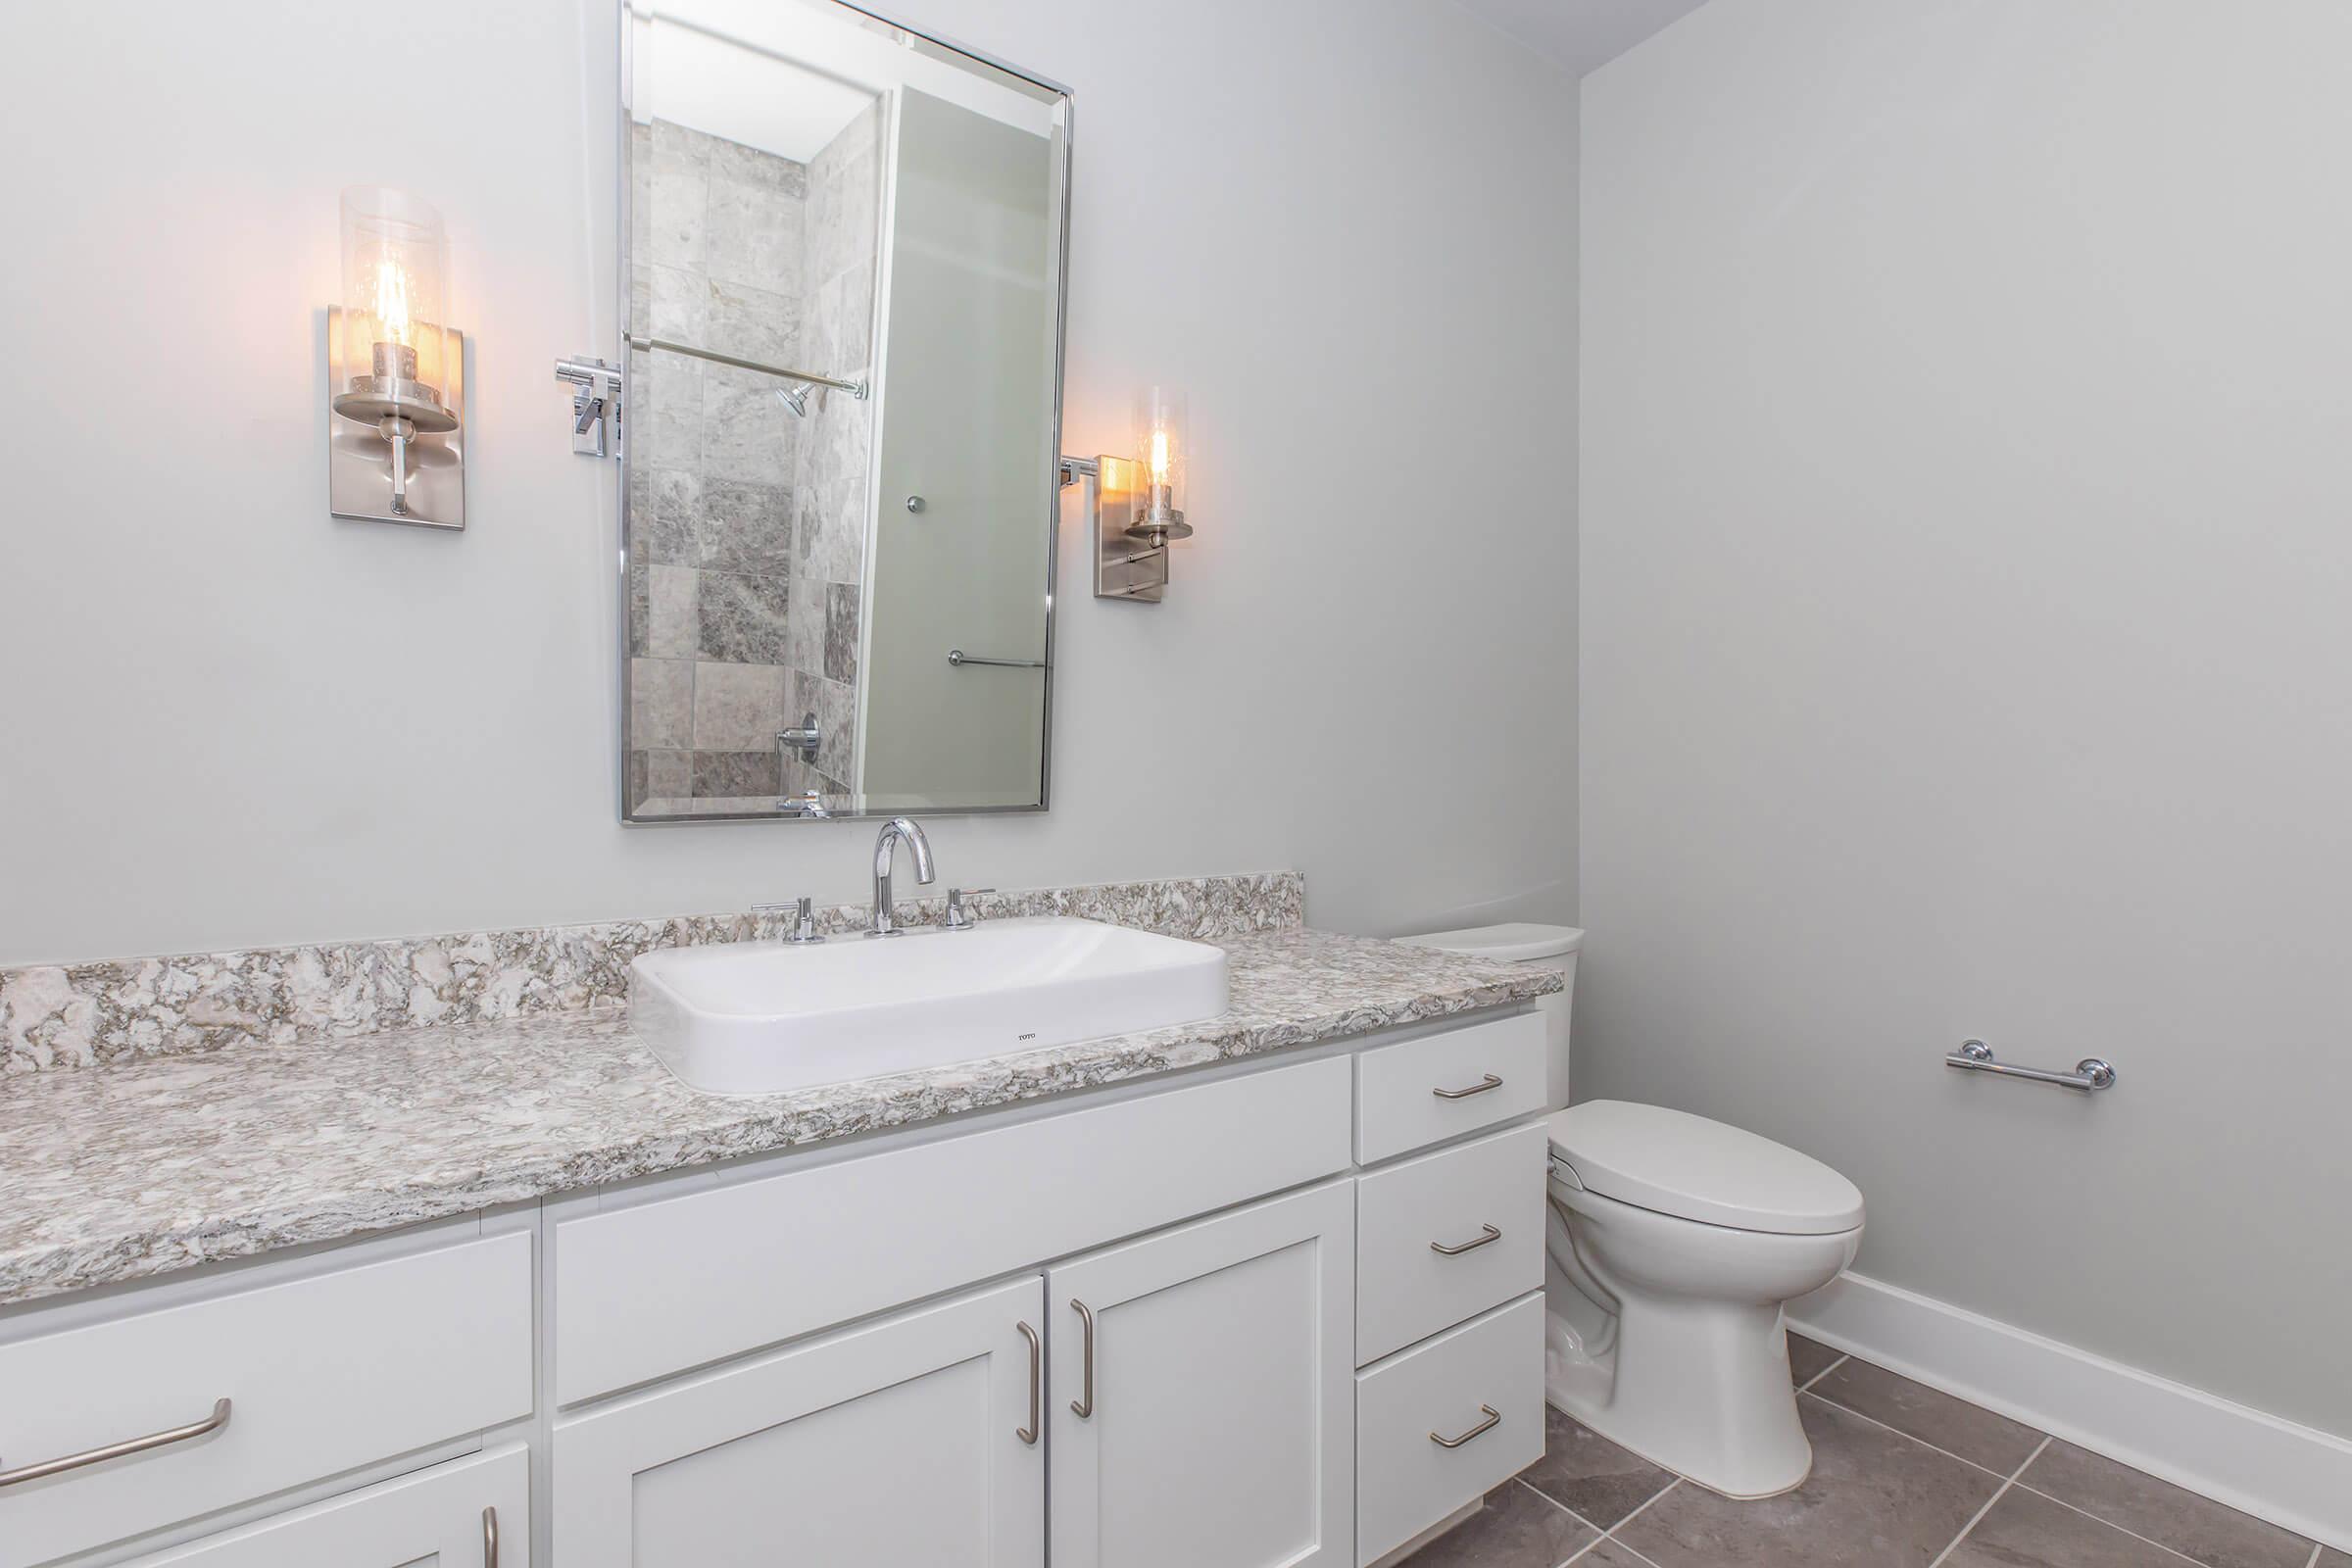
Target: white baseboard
2293, 1476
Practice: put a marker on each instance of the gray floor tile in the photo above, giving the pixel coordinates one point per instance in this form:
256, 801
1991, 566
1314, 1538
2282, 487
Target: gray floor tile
1875, 1499
2332, 1558
1517, 1529
2213, 1534
1807, 1358
1587, 1472
1955, 1426
2025, 1530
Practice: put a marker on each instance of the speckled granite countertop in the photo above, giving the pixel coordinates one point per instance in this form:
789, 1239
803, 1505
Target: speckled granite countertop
135, 1170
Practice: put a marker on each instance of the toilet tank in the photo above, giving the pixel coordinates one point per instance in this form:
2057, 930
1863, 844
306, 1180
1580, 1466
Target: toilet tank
1552, 946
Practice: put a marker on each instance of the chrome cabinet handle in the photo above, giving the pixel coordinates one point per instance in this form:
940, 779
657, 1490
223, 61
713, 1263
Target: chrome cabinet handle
490, 1538
1493, 1415
1480, 1088
1083, 1405
1487, 1232
116, 1451
1037, 1384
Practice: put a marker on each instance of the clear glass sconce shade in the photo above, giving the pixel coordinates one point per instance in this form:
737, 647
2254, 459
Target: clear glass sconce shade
1162, 453
395, 310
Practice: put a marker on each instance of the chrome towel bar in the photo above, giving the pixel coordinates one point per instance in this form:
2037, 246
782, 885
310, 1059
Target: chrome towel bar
959, 658
855, 389
1977, 1056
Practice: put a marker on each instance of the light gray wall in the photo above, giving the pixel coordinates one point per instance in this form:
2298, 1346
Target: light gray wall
1966, 642
1345, 227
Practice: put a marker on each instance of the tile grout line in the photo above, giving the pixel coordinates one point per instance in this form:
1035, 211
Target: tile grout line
1807, 1386
2000, 1491
1521, 1480
1981, 1469
2145, 1541
1610, 1534
2313, 1561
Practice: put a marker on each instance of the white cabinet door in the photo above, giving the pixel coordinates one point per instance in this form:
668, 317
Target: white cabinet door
1203, 1392
462, 1514
915, 1440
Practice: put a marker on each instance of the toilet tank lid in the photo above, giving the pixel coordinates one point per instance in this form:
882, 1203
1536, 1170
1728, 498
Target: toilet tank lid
1676, 1163
1516, 943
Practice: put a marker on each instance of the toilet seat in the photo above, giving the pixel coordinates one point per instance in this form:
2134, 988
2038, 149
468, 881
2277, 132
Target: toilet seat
1690, 1167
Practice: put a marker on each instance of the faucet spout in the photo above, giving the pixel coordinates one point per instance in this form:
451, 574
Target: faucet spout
886, 848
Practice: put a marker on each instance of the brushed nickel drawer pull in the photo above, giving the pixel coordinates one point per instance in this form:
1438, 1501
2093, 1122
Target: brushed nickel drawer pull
1492, 1416
1488, 1233
1480, 1088
1084, 1407
490, 1538
1037, 1384
116, 1451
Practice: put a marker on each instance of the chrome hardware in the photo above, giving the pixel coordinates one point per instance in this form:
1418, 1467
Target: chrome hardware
802, 739
1488, 1233
489, 1537
594, 406
116, 1451
2090, 1073
804, 919
855, 389
1083, 1405
1492, 1416
915, 503
808, 802
957, 917
883, 923
1037, 1384
1479, 1088
959, 658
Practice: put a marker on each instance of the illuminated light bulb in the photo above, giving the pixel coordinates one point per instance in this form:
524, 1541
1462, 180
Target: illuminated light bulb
1159, 457
392, 302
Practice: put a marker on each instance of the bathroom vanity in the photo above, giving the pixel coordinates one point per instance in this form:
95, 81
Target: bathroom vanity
1264, 1289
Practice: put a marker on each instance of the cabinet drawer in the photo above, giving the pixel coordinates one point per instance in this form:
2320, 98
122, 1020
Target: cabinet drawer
1424, 1090
1405, 1479
321, 1374
766, 1261
450, 1514
1408, 1289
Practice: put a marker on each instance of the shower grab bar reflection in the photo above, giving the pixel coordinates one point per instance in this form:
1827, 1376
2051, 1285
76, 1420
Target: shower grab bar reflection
855, 389
959, 658
2090, 1073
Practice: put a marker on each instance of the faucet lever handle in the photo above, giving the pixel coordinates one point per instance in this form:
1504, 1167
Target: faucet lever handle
957, 917
804, 919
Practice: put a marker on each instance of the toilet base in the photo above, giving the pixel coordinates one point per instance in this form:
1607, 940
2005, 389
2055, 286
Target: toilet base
1701, 1389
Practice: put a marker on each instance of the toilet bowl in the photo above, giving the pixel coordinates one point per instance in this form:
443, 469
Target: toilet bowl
1674, 1240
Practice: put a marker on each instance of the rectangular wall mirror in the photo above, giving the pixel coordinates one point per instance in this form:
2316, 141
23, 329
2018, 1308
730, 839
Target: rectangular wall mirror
843, 248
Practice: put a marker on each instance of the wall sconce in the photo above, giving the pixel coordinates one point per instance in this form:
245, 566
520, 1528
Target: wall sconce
1138, 501
396, 370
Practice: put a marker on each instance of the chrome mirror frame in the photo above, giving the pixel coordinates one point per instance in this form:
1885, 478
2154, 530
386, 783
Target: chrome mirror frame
622, 468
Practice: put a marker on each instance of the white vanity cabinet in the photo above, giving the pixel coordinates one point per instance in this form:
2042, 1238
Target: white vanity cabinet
1202, 1407
1280, 1314
915, 1440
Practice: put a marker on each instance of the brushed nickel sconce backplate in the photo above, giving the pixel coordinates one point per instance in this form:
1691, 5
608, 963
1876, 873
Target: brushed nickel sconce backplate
1126, 566
359, 457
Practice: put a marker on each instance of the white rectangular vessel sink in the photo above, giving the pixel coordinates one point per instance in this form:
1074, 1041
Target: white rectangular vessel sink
756, 1018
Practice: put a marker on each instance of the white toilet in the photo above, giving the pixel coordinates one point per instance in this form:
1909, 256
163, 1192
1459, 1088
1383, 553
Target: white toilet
1674, 1242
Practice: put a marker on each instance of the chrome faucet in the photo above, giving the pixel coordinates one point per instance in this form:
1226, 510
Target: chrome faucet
883, 924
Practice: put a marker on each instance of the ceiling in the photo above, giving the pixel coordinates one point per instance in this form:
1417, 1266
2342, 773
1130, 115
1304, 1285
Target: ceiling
1580, 34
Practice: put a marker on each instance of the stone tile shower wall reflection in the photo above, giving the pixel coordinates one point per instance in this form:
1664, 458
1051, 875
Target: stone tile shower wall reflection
745, 520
